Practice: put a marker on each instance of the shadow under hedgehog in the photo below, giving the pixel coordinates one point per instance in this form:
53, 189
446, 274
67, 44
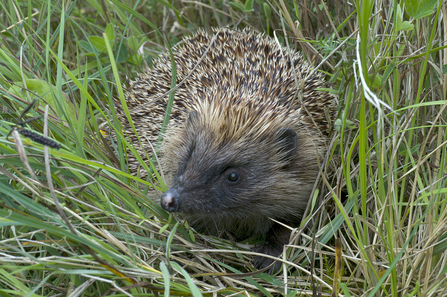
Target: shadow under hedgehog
246, 129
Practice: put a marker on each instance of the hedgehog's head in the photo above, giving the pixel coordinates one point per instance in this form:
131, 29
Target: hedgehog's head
237, 157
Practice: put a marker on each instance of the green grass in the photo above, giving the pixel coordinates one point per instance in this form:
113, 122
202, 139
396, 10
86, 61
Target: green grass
75, 222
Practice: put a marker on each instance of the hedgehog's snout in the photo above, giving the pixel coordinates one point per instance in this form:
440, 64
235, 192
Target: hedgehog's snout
170, 200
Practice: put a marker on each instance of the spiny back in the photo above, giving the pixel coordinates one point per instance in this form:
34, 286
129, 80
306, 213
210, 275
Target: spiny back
230, 70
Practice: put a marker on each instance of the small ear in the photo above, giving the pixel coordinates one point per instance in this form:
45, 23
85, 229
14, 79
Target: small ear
288, 139
192, 117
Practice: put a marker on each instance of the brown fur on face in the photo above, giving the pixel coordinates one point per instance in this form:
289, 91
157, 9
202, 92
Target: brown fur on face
223, 136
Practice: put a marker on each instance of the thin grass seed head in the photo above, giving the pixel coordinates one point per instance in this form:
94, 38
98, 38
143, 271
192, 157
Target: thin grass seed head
30, 134
39, 138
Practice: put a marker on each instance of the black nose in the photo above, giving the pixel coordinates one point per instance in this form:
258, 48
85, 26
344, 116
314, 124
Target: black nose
170, 200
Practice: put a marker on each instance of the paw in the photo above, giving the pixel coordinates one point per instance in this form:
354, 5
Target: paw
263, 262
273, 245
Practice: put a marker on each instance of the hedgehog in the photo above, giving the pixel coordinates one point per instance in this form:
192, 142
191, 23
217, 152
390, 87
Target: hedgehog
248, 129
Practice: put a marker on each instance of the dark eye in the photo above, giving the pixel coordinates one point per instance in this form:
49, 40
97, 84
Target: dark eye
233, 177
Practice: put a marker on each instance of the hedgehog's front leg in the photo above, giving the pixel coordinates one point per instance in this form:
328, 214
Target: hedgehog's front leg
273, 245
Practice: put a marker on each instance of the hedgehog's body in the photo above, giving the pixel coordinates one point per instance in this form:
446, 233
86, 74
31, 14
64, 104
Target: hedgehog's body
245, 134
